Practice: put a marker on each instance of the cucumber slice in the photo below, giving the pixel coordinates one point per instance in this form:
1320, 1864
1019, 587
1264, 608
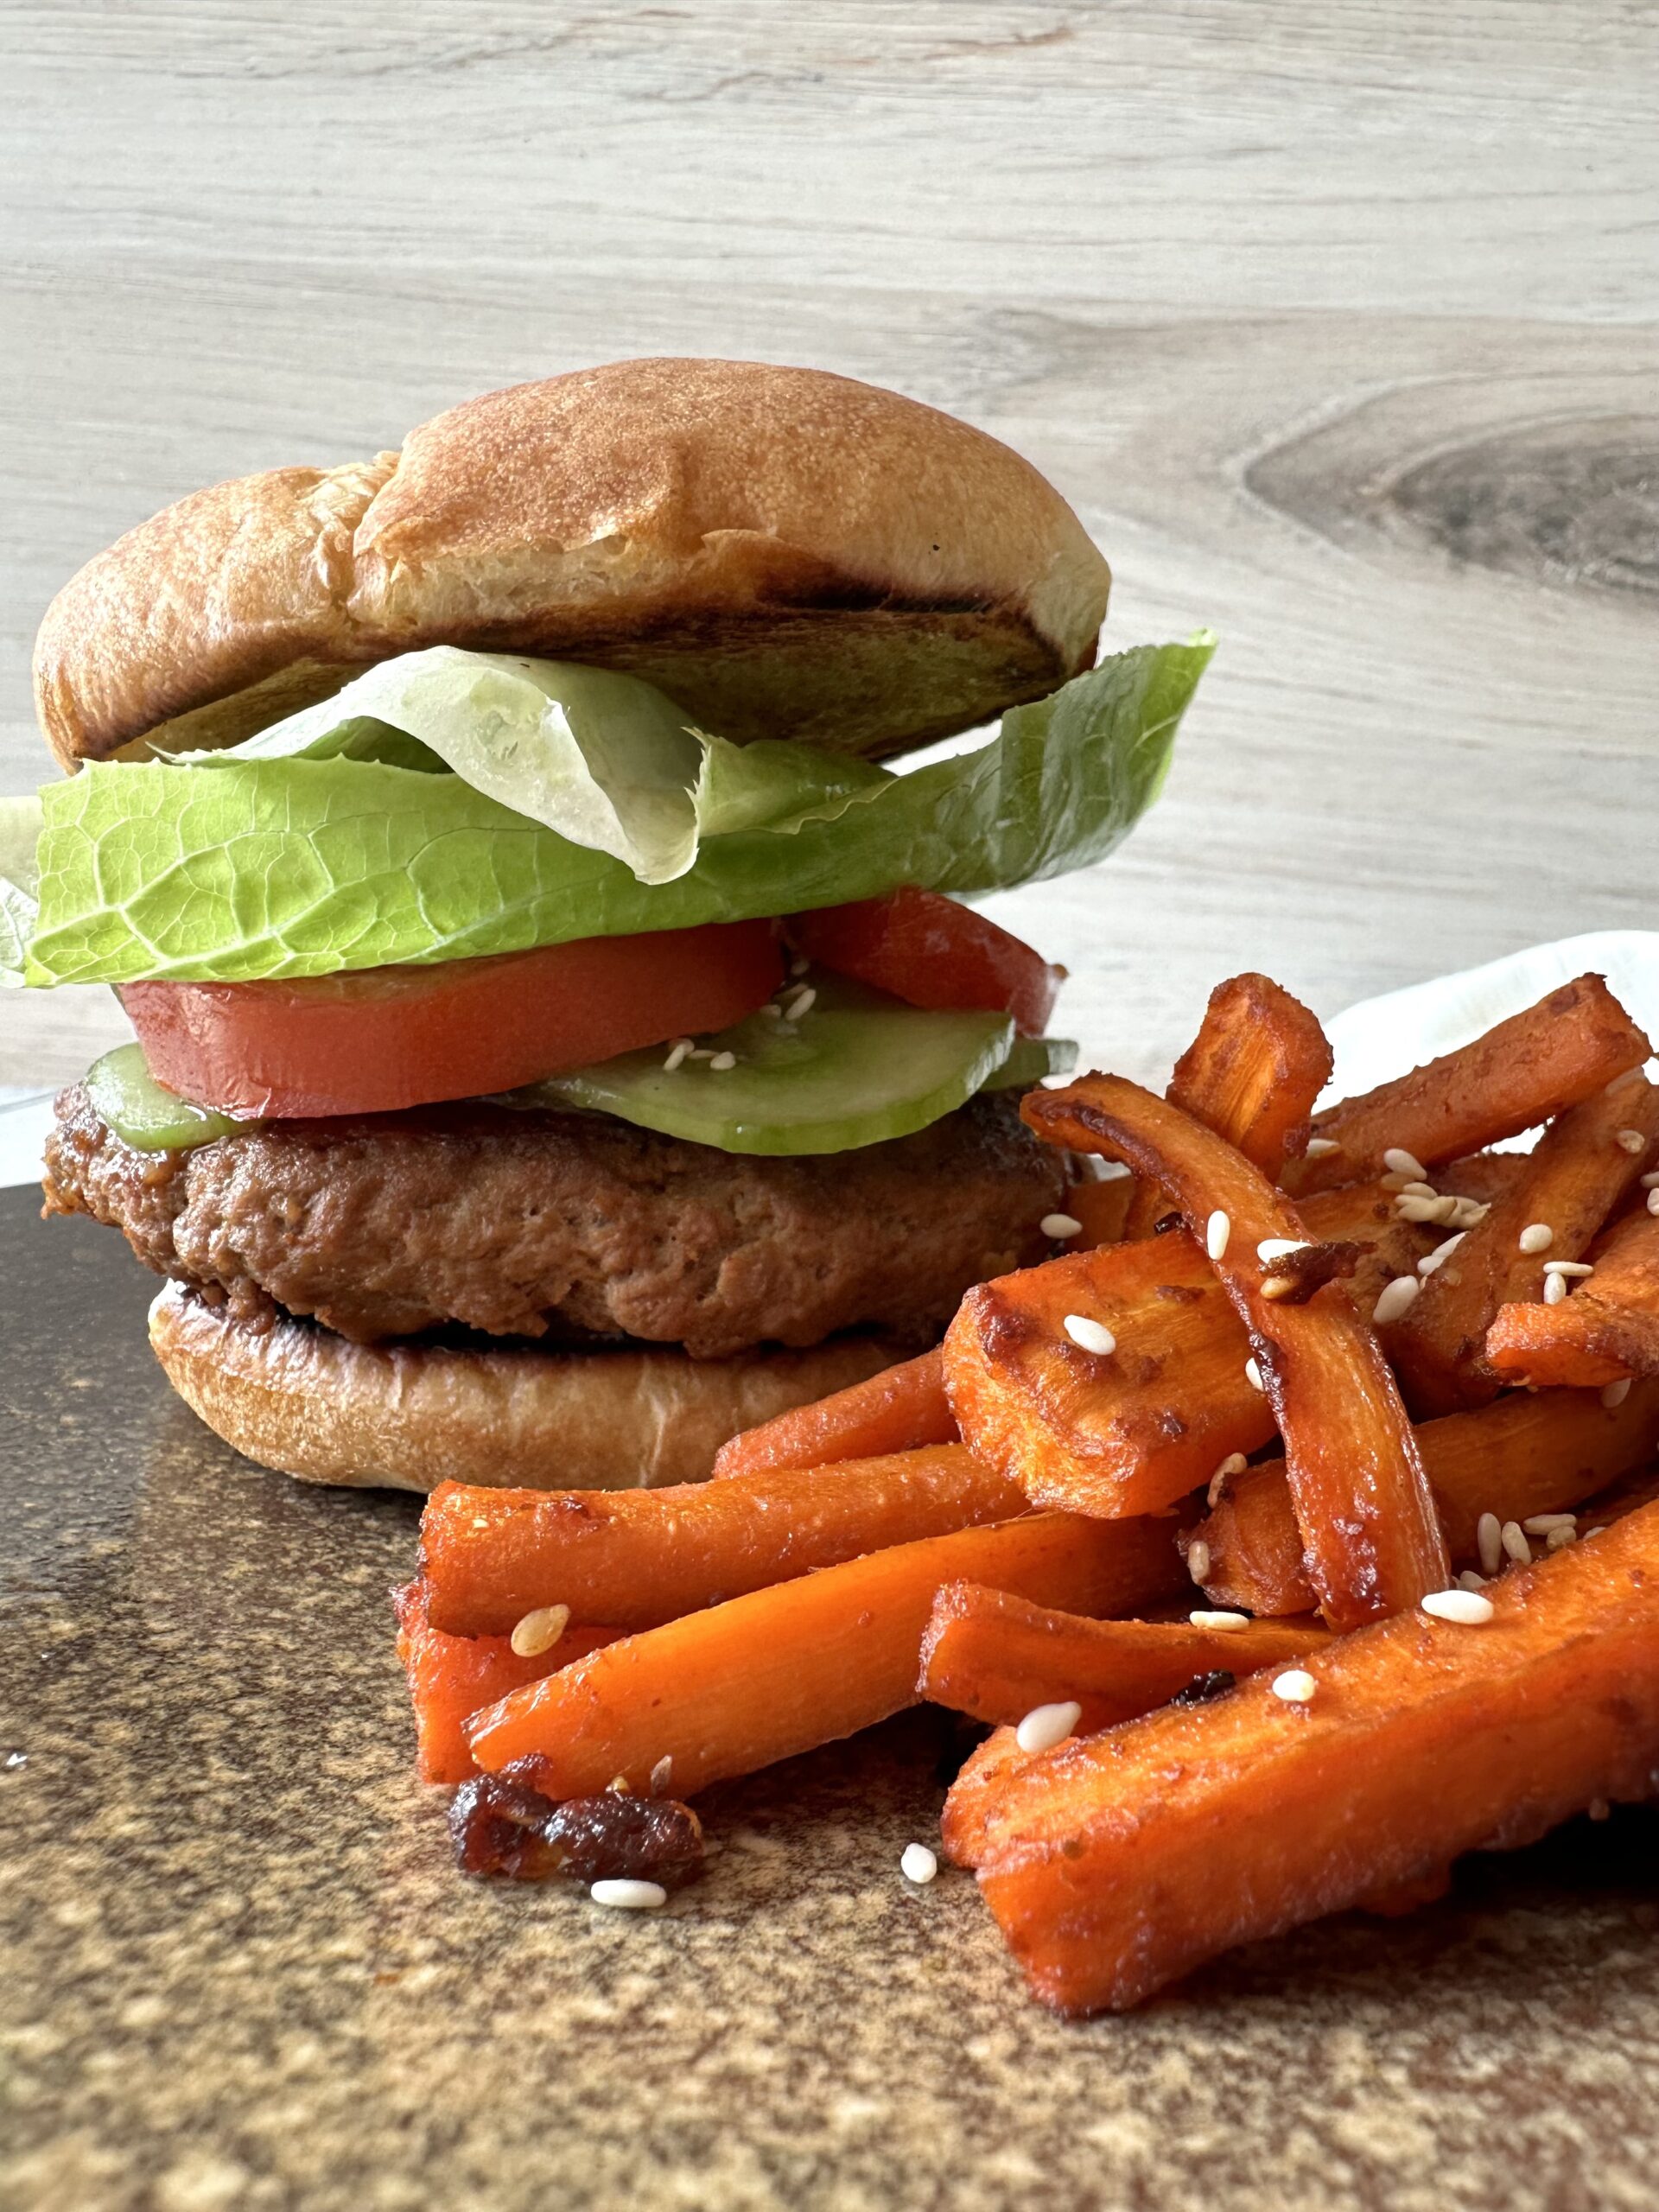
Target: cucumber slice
856, 1070
145, 1116
1031, 1059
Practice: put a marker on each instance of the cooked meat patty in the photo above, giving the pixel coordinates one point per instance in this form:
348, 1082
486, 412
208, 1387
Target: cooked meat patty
531, 1224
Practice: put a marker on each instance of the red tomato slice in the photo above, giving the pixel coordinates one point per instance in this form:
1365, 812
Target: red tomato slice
385, 1037
924, 948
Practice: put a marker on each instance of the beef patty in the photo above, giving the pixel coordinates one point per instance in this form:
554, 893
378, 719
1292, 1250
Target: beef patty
533, 1225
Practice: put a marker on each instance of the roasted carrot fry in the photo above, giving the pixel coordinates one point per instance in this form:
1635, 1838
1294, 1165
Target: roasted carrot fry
1526, 1071
1100, 1209
1608, 1328
452, 1677
1580, 1169
1361, 1498
762, 1677
638, 1558
1119, 1862
1133, 1433
995, 1656
1251, 1074
898, 1410
1527, 1454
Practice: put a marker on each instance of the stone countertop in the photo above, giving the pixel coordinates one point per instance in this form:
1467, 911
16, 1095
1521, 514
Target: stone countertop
239, 1970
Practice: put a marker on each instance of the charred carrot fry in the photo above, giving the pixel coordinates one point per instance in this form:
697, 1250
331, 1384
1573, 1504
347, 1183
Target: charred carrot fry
1100, 1209
1582, 1166
1361, 1498
898, 1410
1133, 1433
1606, 1330
995, 1656
1525, 1455
638, 1558
452, 1677
1423, 1739
1526, 1071
1251, 1074
762, 1677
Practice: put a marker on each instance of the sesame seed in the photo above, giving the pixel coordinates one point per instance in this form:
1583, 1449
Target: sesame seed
1112, 1171
1197, 1560
1540, 1524
1599, 1810
1469, 1608
1419, 1190
1223, 1623
772, 1011
702, 1052
661, 1774
799, 964
1630, 1141
1466, 1213
1234, 1463
1395, 1297
1296, 1686
1559, 1539
720, 1062
1048, 1724
1600, 1529
1217, 1230
1516, 1544
539, 1631
1537, 1237
1424, 1210
676, 1052
917, 1864
1554, 1290
1253, 1374
1440, 1255
1650, 1180
801, 1003
1569, 1267
1321, 1148
1469, 1580
1278, 1287
1618, 1082
1276, 1248
629, 1896
1489, 1542
1399, 1161
1653, 1200
1616, 1393
1060, 1225
1089, 1336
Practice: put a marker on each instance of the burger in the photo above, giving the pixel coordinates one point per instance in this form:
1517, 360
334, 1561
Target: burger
562, 1041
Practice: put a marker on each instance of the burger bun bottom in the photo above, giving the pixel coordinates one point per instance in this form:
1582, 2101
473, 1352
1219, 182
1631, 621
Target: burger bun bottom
293, 1397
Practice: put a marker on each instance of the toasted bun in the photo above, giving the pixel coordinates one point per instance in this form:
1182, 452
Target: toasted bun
298, 1398
786, 553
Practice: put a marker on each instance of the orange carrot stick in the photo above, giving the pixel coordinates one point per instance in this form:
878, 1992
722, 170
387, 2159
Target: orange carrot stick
1527, 1453
898, 1410
995, 1656
1134, 1433
1580, 1169
1361, 1498
640, 1557
762, 1677
1526, 1071
1606, 1330
1118, 1863
1251, 1074
452, 1677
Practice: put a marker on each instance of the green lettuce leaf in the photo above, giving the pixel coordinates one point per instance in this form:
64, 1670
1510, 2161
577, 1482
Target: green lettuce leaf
296, 867
20, 829
602, 758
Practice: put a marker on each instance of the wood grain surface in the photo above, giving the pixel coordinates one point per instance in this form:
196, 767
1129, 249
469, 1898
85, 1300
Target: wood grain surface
1338, 323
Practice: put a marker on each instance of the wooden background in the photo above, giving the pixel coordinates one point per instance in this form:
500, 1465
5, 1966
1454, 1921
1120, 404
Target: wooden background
1336, 320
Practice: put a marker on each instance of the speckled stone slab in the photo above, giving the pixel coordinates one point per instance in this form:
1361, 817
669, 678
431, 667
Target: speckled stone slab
238, 1970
